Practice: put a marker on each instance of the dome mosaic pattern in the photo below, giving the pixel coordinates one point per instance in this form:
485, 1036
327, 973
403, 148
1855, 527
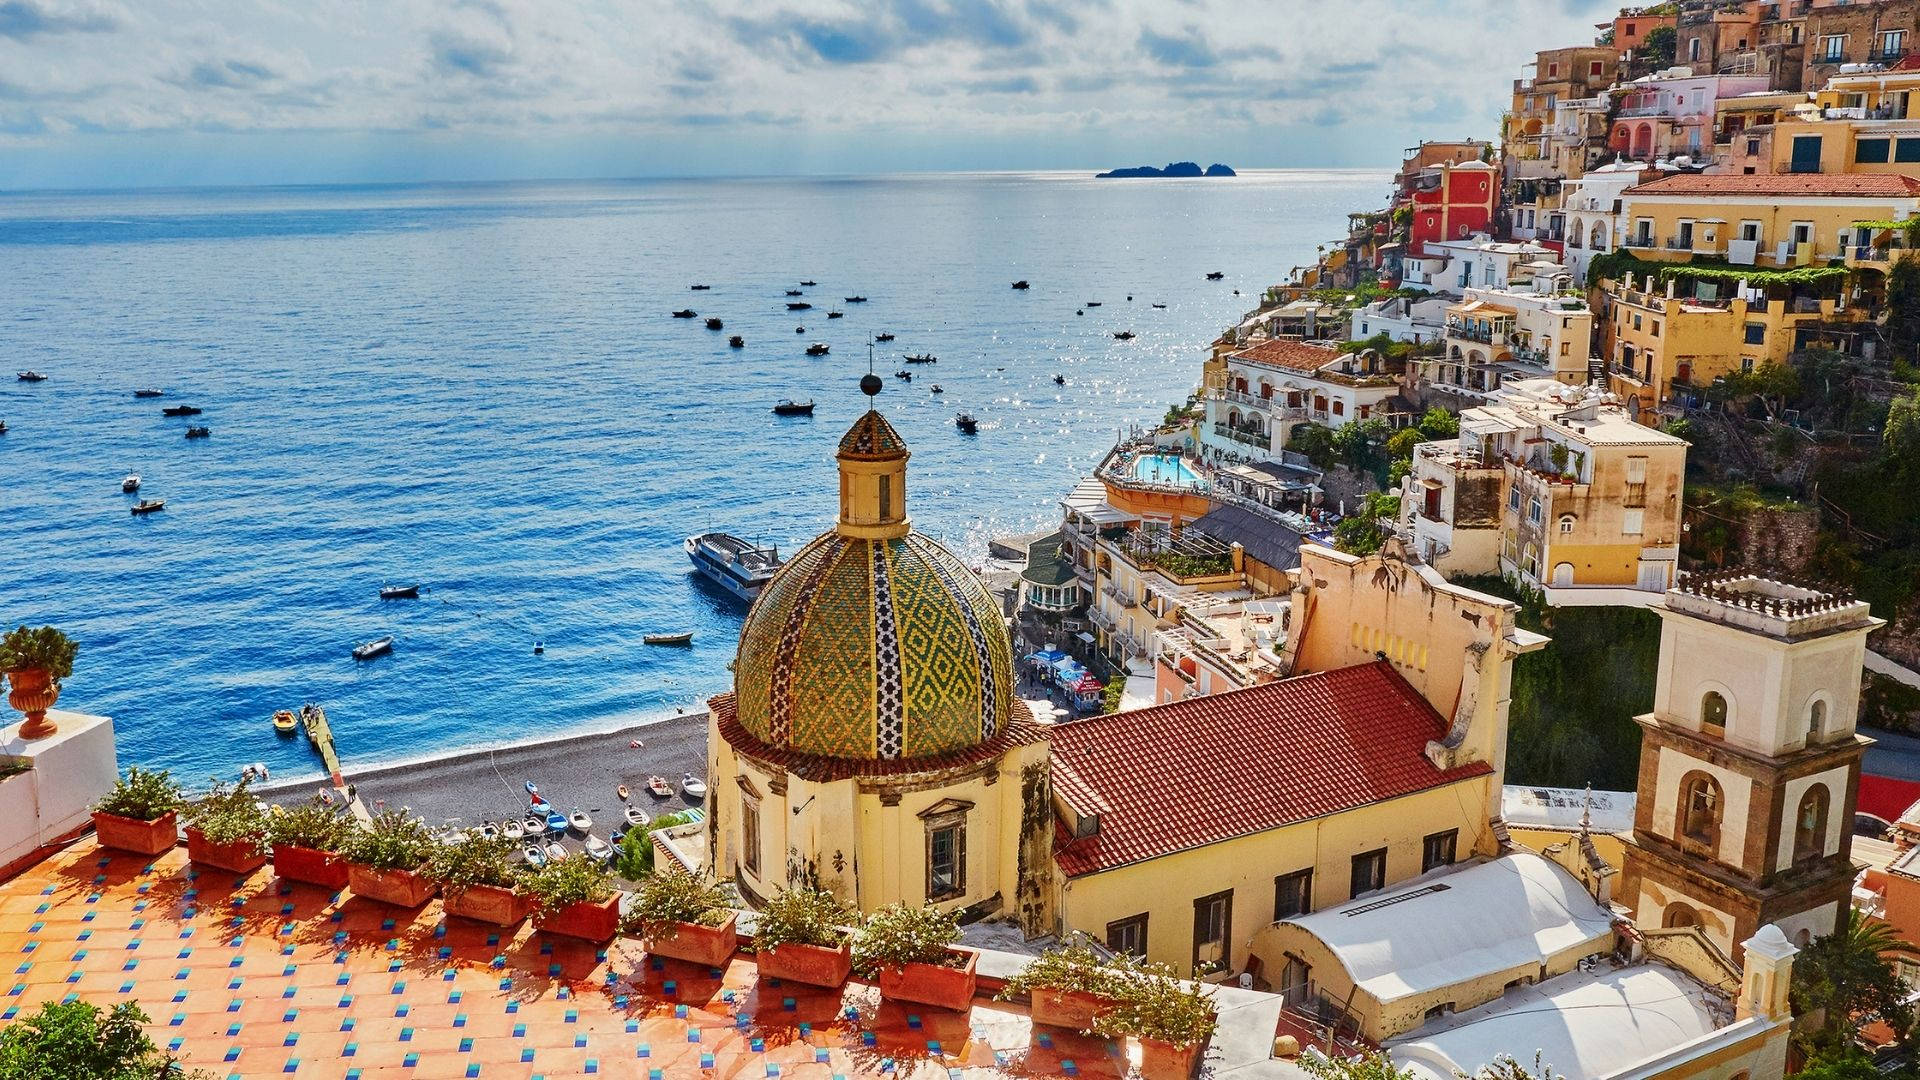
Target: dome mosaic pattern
874, 649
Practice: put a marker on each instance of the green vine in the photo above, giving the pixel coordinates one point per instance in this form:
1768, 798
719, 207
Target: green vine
1617, 264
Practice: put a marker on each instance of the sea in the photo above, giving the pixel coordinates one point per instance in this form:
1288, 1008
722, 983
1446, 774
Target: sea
481, 388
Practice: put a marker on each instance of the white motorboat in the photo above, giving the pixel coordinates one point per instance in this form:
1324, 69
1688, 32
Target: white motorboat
738, 566
514, 828
534, 856
371, 649
598, 848
578, 819
533, 826
636, 816
131, 484
693, 786
555, 851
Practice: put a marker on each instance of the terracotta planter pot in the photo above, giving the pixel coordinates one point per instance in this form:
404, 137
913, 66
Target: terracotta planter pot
932, 984
1068, 1008
132, 834
487, 904
813, 965
323, 868
588, 921
240, 856
709, 945
401, 888
34, 692
1164, 1061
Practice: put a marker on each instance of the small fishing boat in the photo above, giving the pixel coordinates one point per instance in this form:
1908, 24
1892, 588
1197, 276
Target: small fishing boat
598, 849
489, 830
693, 786
836, 314
658, 786
637, 816
855, 299
789, 407
532, 826
148, 506
715, 324
131, 484
1093, 303
556, 822
181, 410
399, 592
684, 637
616, 836
533, 792
624, 792
555, 853
1123, 335
799, 305
1215, 275
199, 432
32, 376
148, 393
578, 819
285, 722
903, 374
1059, 380
370, 649
818, 348
809, 284
966, 423
799, 329
1080, 313
738, 342
686, 313
514, 828
1160, 305
936, 389
1021, 284
883, 337
699, 288
534, 856
922, 358
3, 427
793, 292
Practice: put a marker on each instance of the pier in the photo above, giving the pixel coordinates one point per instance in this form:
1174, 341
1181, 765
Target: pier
313, 719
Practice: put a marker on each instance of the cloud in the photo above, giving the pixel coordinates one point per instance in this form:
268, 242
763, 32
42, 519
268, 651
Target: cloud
458, 53
22, 19
229, 74
1187, 50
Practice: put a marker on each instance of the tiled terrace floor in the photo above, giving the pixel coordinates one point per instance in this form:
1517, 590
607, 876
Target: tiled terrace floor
255, 977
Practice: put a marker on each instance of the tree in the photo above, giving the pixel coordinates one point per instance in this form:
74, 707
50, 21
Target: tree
1847, 1064
633, 859
1847, 977
1903, 308
1362, 533
77, 1040
1437, 423
1359, 444
1400, 445
1374, 1066
1901, 442
1313, 440
1657, 48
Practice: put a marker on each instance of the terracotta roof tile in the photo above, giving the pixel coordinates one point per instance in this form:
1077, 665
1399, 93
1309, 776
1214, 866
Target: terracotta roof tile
872, 437
1285, 353
1243, 762
1832, 185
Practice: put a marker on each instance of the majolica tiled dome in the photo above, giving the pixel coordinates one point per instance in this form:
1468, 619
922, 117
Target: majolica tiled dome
874, 646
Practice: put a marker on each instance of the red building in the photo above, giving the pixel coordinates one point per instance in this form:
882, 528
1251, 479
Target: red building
1452, 201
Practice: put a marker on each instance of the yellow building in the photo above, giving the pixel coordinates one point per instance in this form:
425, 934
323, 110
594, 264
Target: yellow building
1863, 123
1761, 221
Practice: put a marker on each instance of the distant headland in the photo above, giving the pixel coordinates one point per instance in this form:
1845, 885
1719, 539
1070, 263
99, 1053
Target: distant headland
1178, 169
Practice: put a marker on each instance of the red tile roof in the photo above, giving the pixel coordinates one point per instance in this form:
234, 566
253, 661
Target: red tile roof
1286, 353
1172, 777
1832, 185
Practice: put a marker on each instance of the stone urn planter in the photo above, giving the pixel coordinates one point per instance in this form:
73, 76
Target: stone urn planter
34, 692
310, 865
1068, 1008
401, 888
709, 945
812, 965
941, 985
587, 920
239, 856
1165, 1061
135, 835
487, 904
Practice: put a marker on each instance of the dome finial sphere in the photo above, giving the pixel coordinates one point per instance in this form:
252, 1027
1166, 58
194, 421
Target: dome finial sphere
870, 384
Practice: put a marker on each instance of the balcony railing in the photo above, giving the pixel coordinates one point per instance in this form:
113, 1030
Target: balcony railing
1101, 620
1679, 243
1241, 397
1120, 596
1471, 333
1242, 435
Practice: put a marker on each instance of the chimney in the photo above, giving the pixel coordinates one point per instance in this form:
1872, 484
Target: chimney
1239, 558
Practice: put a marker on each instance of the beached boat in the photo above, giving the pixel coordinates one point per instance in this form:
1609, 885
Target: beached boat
148, 506
149, 393
799, 305
1123, 335
966, 423
1215, 276
737, 342
534, 856
285, 722
514, 828
199, 432
598, 849
699, 288
715, 324
32, 376
533, 791
686, 313
818, 348
921, 358
532, 826
399, 592
489, 830
578, 819
636, 816
659, 786
883, 337
131, 484
370, 649
693, 786
790, 407
556, 821
181, 410
555, 852
855, 299
624, 792
738, 566
1021, 284
684, 637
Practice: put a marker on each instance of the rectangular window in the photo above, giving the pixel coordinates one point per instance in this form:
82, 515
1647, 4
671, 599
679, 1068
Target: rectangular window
1595, 70
1756, 333
1513, 498
1750, 230
1533, 511
1871, 151
1833, 48
1906, 151
1806, 154
1632, 522
1293, 894
1128, 936
1212, 921
750, 835
946, 861
1891, 43
886, 497
1369, 871
1437, 849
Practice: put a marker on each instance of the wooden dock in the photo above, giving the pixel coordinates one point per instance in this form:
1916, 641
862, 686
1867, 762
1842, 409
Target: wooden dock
314, 719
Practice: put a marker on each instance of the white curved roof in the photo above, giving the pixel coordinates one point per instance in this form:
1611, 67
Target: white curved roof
1444, 929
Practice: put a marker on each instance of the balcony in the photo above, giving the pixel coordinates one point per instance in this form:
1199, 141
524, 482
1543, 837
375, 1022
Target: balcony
1880, 257
1240, 397
1643, 240
1888, 57
1243, 435
1102, 621
1469, 332
1119, 596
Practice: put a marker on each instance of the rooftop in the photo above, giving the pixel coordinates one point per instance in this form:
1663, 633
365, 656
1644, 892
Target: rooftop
1266, 756
1826, 185
1766, 604
1293, 355
1578, 411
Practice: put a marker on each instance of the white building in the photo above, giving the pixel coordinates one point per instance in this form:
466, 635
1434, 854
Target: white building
1265, 391
1478, 260
1496, 336
1402, 319
1595, 213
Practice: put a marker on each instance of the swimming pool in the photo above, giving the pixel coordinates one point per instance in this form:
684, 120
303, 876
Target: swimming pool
1166, 469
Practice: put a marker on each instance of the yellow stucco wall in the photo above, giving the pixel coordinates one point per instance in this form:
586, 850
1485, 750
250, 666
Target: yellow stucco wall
1612, 848
1718, 219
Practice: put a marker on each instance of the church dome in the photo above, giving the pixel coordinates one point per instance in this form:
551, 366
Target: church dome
874, 642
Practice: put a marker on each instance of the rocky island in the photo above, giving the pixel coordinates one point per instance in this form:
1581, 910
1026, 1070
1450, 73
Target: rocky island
1178, 169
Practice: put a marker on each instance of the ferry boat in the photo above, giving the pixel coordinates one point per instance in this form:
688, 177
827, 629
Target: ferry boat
738, 566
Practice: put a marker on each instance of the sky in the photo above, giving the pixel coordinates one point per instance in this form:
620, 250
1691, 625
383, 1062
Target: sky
160, 93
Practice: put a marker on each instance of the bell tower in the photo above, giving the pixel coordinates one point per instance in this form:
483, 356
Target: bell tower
1749, 763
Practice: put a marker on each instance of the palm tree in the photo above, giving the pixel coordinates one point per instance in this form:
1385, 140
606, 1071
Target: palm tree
1849, 977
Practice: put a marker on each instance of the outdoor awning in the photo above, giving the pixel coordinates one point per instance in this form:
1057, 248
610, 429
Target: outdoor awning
1088, 499
1085, 637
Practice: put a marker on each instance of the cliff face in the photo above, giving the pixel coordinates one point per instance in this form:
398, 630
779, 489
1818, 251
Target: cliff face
1177, 169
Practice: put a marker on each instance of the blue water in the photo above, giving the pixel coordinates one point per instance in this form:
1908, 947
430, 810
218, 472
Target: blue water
1165, 469
480, 388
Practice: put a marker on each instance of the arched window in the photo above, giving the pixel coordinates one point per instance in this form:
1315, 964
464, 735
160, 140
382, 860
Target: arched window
1566, 524
1700, 810
1810, 825
1817, 720
1713, 713
1679, 914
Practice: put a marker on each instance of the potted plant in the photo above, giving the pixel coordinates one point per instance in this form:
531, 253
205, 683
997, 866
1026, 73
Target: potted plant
35, 661
574, 897
384, 858
802, 935
1171, 1019
227, 829
1067, 987
306, 841
685, 917
140, 814
911, 949
476, 875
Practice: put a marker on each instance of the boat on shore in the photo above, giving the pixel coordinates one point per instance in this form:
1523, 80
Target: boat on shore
684, 637
147, 506
181, 410
966, 423
818, 348
922, 358
32, 376
692, 786
715, 324
739, 566
399, 592
131, 484
285, 722
367, 650
659, 787
790, 407
686, 313
149, 393
199, 432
